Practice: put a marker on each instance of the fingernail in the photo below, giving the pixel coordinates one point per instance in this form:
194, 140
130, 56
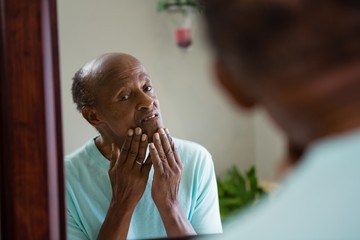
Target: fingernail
161, 131
167, 131
152, 146
156, 135
137, 131
143, 137
130, 132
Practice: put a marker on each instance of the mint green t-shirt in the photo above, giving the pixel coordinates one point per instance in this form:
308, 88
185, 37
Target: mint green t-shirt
88, 194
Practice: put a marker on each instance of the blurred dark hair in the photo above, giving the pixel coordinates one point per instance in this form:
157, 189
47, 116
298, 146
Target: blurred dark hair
265, 36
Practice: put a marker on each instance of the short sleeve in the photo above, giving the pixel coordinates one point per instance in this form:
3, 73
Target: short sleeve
206, 217
74, 231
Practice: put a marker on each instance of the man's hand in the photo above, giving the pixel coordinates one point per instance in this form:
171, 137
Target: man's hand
165, 186
128, 177
167, 170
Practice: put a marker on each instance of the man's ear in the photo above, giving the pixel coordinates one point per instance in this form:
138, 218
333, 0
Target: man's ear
233, 86
91, 115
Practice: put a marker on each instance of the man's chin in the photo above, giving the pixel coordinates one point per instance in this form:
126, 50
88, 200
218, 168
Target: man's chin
151, 129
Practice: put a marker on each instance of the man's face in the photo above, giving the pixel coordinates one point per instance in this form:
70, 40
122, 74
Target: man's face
125, 99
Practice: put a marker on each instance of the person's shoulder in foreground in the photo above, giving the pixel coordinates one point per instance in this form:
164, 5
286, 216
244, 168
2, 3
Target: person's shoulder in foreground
300, 61
319, 200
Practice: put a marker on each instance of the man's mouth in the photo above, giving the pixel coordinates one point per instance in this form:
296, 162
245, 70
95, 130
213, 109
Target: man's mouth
149, 117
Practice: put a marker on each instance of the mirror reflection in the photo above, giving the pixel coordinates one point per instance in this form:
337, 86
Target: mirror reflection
191, 109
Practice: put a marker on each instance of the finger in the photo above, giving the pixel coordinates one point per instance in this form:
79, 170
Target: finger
178, 159
159, 149
126, 146
142, 150
134, 148
166, 146
176, 154
170, 139
155, 159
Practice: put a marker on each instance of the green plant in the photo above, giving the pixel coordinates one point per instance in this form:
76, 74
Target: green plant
163, 5
237, 191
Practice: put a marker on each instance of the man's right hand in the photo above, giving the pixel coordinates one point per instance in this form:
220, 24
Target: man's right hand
128, 176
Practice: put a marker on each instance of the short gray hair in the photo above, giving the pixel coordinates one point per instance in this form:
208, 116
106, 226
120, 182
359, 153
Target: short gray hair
82, 90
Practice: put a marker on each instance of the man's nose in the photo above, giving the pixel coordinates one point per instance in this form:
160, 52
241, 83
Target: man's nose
145, 102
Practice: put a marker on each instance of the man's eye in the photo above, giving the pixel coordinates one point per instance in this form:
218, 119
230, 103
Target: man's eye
124, 97
148, 89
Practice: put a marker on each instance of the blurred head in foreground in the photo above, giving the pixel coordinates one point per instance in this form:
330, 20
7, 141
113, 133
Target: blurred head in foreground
300, 60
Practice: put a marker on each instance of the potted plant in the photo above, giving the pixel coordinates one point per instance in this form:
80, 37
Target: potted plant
237, 191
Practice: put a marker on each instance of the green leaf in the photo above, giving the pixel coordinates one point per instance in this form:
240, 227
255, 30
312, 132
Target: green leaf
237, 191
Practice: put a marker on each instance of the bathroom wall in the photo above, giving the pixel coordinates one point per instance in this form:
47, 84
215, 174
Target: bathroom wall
192, 104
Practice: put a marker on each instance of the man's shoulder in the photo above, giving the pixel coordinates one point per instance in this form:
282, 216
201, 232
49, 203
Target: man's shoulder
187, 145
76, 154
76, 160
192, 153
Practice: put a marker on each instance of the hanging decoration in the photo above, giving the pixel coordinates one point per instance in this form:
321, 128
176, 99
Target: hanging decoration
180, 15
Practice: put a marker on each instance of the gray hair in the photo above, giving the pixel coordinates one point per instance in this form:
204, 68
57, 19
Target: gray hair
82, 89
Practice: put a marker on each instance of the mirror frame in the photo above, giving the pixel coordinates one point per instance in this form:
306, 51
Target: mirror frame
31, 164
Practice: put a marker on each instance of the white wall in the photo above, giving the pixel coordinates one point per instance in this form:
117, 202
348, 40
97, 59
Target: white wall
192, 106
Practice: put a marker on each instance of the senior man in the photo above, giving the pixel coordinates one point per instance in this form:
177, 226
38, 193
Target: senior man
134, 180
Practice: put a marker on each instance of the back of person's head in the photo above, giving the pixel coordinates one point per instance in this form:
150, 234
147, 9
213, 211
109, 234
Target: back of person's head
299, 59
261, 37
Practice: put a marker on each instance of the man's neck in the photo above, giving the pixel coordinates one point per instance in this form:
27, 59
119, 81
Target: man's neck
105, 149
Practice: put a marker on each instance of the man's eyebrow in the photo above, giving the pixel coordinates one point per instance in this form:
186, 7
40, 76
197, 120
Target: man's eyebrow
145, 77
122, 89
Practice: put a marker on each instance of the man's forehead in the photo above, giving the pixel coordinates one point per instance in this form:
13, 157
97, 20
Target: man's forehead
131, 71
122, 74
127, 77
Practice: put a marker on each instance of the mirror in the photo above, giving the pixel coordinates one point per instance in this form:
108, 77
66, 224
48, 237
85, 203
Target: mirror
192, 105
